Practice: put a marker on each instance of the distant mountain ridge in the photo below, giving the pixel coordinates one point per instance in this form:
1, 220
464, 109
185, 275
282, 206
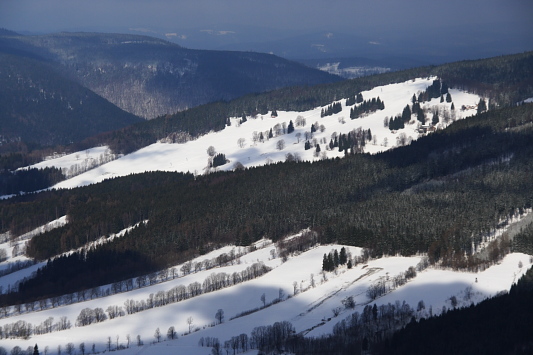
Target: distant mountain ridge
39, 105
150, 77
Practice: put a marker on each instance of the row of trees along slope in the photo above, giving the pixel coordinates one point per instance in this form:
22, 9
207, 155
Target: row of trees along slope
440, 195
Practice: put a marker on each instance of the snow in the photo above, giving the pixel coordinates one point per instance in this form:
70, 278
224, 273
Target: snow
304, 310
192, 156
310, 310
9, 246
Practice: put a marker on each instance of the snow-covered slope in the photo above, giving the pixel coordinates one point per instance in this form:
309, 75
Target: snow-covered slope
310, 310
237, 143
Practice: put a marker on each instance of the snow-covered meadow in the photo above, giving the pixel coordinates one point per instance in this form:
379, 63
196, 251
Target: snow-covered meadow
237, 140
310, 309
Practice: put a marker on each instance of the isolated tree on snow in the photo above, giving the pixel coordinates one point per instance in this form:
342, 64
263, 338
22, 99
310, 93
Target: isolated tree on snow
171, 333
189, 322
220, 316
157, 334
290, 128
211, 151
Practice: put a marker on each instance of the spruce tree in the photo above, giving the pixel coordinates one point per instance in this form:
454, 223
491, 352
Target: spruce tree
481, 106
336, 258
435, 119
290, 128
406, 114
343, 258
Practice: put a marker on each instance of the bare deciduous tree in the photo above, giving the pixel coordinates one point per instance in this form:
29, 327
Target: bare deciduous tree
190, 322
211, 151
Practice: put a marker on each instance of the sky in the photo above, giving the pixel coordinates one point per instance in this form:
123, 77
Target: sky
346, 15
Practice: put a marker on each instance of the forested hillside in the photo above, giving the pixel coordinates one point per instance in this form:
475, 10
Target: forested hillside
442, 195
504, 80
503, 323
41, 106
150, 77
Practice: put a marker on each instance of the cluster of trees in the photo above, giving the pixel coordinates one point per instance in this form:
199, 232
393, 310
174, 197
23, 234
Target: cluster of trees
435, 90
331, 109
356, 99
266, 339
24, 330
296, 245
399, 121
89, 316
385, 285
367, 106
354, 141
332, 260
218, 160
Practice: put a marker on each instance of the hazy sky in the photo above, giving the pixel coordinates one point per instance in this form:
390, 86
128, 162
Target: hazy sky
345, 15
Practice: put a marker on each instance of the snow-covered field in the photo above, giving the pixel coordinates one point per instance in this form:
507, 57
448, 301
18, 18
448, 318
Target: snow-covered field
310, 307
192, 156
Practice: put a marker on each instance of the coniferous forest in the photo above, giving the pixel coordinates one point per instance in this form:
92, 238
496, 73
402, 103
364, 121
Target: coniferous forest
440, 195
443, 195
